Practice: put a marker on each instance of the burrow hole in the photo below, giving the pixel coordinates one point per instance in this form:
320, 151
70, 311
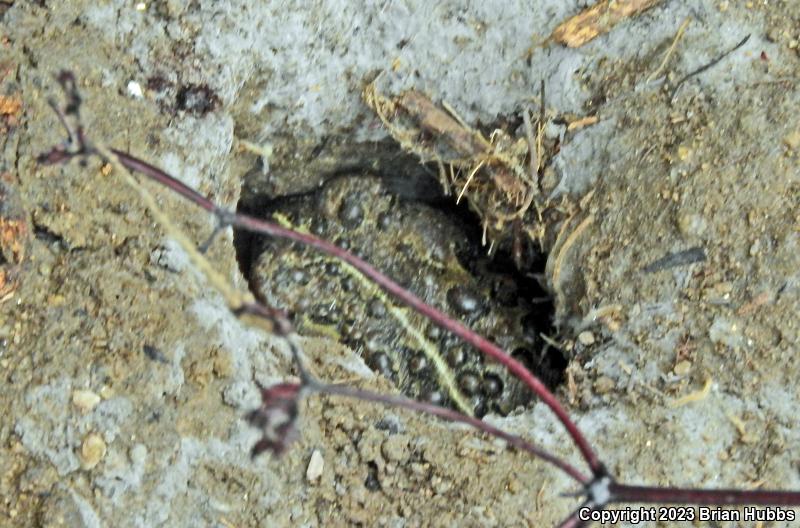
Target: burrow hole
415, 182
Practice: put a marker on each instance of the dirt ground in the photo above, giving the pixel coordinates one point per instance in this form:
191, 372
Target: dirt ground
674, 265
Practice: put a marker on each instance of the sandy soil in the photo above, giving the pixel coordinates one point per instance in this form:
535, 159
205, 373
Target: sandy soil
125, 379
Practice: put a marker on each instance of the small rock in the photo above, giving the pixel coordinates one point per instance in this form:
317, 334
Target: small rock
135, 89
85, 400
792, 140
683, 367
586, 338
223, 364
93, 449
395, 448
138, 454
603, 384
315, 466
755, 248
692, 225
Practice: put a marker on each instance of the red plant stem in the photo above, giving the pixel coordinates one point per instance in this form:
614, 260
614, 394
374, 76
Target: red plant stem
657, 495
619, 492
435, 315
573, 521
137, 165
601, 489
440, 318
451, 415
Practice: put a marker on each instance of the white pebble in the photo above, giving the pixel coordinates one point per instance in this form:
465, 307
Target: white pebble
586, 338
135, 89
85, 400
315, 466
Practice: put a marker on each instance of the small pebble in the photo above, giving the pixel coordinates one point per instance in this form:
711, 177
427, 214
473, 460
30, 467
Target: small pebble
792, 140
85, 400
683, 367
135, 89
603, 384
586, 338
395, 448
138, 454
106, 392
315, 466
93, 449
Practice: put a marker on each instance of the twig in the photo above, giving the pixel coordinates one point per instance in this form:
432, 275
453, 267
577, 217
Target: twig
533, 163
243, 305
453, 416
563, 249
711, 64
278, 414
667, 495
670, 51
438, 317
673, 260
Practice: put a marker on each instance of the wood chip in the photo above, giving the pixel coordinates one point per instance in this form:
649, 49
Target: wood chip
757, 301
597, 20
582, 122
10, 106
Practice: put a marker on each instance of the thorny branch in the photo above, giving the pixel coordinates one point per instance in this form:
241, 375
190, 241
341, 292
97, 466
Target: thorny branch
277, 416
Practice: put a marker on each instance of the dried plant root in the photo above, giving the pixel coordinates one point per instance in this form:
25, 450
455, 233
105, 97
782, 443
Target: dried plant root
491, 173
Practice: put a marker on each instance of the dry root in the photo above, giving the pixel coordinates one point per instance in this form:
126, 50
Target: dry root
491, 172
